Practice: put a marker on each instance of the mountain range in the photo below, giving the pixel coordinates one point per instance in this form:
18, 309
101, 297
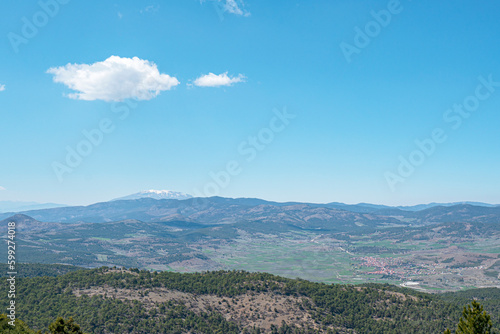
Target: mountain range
11, 207
220, 210
331, 242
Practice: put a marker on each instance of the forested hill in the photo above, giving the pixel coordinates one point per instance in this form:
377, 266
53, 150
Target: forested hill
38, 269
108, 300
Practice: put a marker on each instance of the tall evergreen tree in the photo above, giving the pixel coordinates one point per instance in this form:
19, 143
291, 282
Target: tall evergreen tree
474, 320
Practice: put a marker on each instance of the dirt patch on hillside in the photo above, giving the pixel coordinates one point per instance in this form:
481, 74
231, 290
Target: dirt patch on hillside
257, 309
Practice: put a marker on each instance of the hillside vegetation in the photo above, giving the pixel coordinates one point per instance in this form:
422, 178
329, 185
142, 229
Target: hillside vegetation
110, 300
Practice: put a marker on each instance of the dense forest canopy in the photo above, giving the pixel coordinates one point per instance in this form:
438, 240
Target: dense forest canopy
92, 297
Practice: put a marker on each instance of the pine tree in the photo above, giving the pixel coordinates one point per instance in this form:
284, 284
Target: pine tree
60, 326
474, 320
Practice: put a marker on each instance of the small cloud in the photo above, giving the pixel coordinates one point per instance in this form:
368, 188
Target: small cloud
2, 188
120, 15
150, 9
213, 80
2, 88
231, 6
114, 79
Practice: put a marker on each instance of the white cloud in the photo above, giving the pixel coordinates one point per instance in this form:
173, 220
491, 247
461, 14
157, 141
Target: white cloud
2, 188
120, 15
114, 79
150, 9
231, 6
213, 80
2, 88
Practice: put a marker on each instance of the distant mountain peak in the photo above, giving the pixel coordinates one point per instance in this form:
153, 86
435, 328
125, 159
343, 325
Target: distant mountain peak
21, 220
18, 206
156, 194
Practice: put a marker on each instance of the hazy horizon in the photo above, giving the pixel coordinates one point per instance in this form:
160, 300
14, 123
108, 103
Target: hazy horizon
266, 199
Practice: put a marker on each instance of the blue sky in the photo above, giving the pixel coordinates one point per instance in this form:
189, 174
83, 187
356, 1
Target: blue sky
181, 88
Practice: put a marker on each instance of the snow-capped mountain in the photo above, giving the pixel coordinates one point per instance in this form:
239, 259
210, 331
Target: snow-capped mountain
156, 194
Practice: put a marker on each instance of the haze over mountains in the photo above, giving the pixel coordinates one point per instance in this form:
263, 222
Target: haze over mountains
17, 206
163, 206
24, 207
